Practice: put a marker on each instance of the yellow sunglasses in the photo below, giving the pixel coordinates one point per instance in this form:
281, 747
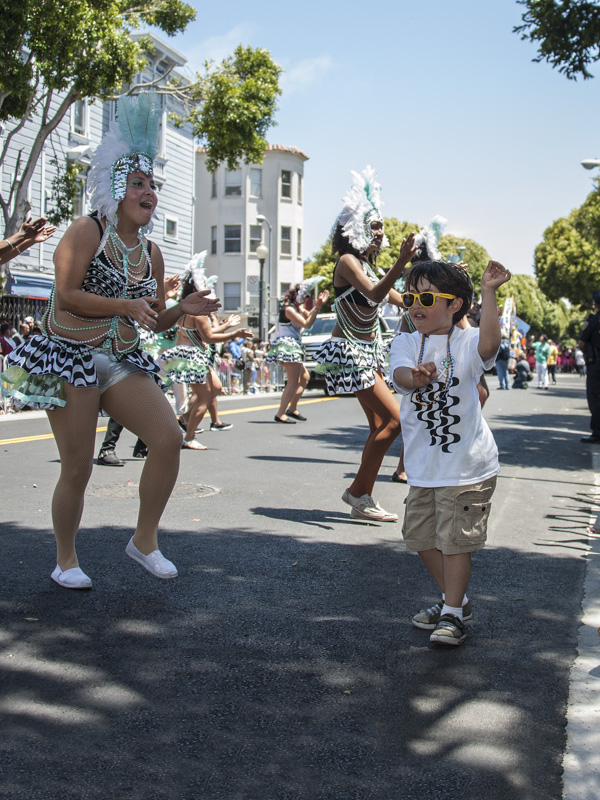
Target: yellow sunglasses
426, 299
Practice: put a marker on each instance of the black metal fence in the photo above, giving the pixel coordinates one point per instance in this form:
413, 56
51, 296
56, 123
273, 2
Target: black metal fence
13, 308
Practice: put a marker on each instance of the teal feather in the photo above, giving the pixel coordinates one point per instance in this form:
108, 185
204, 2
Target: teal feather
438, 225
139, 122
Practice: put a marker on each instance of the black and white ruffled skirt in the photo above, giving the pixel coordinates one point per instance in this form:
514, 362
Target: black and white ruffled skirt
349, 367
35, 373
285, 349
186, 363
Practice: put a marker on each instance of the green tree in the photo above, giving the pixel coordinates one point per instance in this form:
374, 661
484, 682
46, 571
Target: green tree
567, 261
56, 52
567, 33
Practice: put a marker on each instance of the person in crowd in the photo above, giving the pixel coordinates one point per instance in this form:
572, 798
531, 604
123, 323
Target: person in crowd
552, 361
191, 360
248, 350
542, 350
31, 232
353, 360
7, 344
579, 362
589, 342
522, 371
502, 363
451, 457
286, 348
108, 282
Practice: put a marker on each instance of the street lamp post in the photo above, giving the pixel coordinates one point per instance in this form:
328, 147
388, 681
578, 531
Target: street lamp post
262, 251
261, 219
590, 163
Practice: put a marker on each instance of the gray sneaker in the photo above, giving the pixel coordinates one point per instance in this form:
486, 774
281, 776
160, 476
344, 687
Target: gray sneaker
429, 617
449, 630
365, 507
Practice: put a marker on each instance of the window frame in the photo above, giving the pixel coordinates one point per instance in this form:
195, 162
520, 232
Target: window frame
287, 249
229, 185
285, 196
227, 238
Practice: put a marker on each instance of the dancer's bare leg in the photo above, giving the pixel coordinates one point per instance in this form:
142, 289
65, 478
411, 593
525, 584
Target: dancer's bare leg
197, 406
293, 371
74, 429
383, 415
151, 418
300, 387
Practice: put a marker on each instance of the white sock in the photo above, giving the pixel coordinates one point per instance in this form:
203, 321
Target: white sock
465, 599
457, 612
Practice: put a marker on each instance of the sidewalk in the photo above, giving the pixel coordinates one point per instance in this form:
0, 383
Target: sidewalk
581, 778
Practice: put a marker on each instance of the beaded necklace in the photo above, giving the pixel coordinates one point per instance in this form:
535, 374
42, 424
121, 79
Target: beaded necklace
119, 247
441, 395
369, 319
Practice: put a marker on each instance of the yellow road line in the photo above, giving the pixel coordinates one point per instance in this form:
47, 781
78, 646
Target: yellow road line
43, 436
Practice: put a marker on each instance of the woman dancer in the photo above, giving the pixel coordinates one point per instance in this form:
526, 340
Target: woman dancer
353, 358
191, 360
287, 350
108, 277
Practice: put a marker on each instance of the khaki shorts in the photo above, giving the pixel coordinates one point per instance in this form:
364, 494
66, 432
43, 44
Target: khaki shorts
452, 519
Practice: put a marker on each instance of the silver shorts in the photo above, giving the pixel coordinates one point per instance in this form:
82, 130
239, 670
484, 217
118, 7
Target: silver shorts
110, 372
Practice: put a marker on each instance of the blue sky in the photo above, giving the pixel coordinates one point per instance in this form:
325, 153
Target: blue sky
438, 95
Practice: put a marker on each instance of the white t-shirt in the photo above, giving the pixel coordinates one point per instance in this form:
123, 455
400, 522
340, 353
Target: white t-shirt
447, 443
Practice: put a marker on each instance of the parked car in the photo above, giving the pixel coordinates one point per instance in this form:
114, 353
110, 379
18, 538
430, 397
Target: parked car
321, 330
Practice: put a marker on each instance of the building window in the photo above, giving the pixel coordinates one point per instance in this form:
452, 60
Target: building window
233, 183
233, 239
171, 228
283, 287
256, 183
286, 183
255, 237
213, 240
79, 202
213, 184
299, 189
286, 241
79, 118
299, 244
232, 296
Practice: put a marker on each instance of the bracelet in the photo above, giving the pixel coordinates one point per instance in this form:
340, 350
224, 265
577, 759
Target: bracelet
10, 244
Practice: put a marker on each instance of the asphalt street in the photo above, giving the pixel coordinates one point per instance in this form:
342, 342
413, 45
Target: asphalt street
281, 664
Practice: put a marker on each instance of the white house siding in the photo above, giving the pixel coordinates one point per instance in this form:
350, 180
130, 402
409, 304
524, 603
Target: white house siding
175, 196
242, 210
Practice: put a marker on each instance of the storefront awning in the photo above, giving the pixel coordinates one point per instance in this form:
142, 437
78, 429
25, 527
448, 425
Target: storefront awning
29, 283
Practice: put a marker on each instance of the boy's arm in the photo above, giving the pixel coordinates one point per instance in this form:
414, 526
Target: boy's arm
407, 379
489, 325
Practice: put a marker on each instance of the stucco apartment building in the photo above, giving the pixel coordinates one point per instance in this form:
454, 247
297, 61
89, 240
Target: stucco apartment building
235, 211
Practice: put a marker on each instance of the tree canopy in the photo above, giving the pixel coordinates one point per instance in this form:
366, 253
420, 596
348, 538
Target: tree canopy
56, 52
567, 261
545, 315
567, 33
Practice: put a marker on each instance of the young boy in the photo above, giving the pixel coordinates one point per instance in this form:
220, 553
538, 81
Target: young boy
450, 454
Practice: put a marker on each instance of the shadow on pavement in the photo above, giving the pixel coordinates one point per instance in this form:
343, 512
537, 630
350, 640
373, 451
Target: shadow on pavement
277, 668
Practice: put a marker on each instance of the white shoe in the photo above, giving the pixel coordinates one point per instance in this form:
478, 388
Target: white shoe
365, 507
154, 562
74, 578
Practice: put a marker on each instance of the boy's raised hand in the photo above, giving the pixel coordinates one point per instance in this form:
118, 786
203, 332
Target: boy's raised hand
423, 374
494, 276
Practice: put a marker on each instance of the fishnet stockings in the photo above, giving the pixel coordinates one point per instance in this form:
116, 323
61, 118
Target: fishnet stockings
140, 406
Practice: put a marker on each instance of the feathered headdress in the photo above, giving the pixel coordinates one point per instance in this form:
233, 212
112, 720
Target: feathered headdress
362, 206
428, 239
194, 271
130, 145
307, 287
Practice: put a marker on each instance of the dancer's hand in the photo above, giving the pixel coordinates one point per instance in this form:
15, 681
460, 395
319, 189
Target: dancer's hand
231, 320
423, 374
172, 284
322, 299
407, 250
142, 312
244, 333
198, 304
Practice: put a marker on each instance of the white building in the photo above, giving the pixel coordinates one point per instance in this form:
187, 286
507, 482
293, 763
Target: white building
228, 204
31, 274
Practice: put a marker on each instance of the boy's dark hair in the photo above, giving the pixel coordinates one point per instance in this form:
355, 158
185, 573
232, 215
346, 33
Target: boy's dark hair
447, 278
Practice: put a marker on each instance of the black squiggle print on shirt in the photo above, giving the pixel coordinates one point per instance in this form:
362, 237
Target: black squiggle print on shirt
438, 417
